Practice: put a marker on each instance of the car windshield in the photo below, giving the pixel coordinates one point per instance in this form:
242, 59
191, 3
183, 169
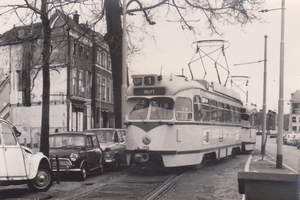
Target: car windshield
106, 136
59, 141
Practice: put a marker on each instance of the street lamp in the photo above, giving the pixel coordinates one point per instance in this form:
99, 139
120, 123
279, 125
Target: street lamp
263, 135
281, 86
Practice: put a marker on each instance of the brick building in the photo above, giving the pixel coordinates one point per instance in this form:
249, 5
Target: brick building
80, 72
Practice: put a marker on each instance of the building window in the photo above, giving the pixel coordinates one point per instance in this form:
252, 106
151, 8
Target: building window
103, 86
87, 54
87, 84
108, 63
80, 51
108, 89
75, 49
80, 82
293, 119
104, 60
98, 57
74, 81
98, 87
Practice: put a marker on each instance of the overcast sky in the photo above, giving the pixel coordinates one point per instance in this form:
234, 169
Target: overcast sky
172, 51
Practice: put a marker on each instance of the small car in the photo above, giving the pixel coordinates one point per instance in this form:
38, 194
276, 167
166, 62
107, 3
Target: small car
112, 141
77, 153
273, 134
19, 165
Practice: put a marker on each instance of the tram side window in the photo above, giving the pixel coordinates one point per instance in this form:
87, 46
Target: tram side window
227, 114
221, 112
183, 109
253, 119
197, 108
237, 115
206, 109
232, 109
214, 110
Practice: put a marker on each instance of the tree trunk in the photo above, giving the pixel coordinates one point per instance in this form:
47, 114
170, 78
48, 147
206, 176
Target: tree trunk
46, 80
114, 39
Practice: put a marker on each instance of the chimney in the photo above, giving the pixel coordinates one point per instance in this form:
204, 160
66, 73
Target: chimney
76, 17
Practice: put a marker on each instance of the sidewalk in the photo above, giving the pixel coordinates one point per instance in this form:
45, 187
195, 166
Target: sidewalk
267, 165
262, 180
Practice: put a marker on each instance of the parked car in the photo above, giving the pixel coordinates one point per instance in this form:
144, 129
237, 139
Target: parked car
273, 134
296, 139
77, 152
19, 165
112, 141
289, 138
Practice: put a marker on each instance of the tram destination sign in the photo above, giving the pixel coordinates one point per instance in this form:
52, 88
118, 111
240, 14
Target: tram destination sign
149, 91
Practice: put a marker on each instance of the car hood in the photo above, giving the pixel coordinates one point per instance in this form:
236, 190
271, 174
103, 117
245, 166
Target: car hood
108, 145
63, 152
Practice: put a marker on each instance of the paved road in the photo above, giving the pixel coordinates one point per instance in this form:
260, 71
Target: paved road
290, 154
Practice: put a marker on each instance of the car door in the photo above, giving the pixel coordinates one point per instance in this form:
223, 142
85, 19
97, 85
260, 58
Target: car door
92, 154
12, 154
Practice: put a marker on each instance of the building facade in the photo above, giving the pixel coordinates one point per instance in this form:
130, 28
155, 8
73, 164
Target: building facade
295, 112
80, 72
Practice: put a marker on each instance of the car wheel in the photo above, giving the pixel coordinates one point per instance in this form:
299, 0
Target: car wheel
43, 179
100, 169
83, 172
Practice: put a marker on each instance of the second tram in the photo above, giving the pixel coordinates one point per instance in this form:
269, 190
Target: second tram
249, 127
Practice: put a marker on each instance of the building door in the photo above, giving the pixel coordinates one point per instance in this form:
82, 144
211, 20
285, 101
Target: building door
77, 119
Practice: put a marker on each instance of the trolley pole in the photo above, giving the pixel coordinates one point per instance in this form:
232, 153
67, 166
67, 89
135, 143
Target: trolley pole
263, 135
124, 65
281, 86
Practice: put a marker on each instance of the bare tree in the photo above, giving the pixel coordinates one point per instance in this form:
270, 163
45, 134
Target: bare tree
213, 12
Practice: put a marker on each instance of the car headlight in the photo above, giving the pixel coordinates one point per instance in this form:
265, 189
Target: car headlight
107, 153
74, 157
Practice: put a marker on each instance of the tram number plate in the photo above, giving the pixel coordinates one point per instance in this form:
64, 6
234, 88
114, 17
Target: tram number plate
150, 91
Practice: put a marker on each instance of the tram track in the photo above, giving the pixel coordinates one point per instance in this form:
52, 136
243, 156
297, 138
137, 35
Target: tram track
140, 187
162, 190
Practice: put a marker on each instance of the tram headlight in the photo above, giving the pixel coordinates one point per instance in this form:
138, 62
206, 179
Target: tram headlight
146, 140
137, 81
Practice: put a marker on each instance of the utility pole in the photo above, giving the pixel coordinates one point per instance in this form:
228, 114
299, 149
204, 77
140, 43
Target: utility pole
124, 65
263, 135
281, 86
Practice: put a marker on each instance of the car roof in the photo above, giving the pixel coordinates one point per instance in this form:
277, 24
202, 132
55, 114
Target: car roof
72, 133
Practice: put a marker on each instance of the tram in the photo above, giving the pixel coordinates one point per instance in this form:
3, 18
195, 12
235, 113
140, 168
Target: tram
173, 121
249, 121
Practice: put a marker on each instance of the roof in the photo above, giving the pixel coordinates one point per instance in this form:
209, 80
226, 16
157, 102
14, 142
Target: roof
35, 30
21, 33
296, 97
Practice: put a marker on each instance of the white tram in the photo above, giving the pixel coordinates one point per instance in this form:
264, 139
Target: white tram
249, 127
173, 121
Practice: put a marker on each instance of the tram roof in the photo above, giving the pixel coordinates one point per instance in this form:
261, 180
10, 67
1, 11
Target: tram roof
175, 84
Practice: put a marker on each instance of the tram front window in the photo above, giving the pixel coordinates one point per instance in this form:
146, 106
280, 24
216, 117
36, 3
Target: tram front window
152, 109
